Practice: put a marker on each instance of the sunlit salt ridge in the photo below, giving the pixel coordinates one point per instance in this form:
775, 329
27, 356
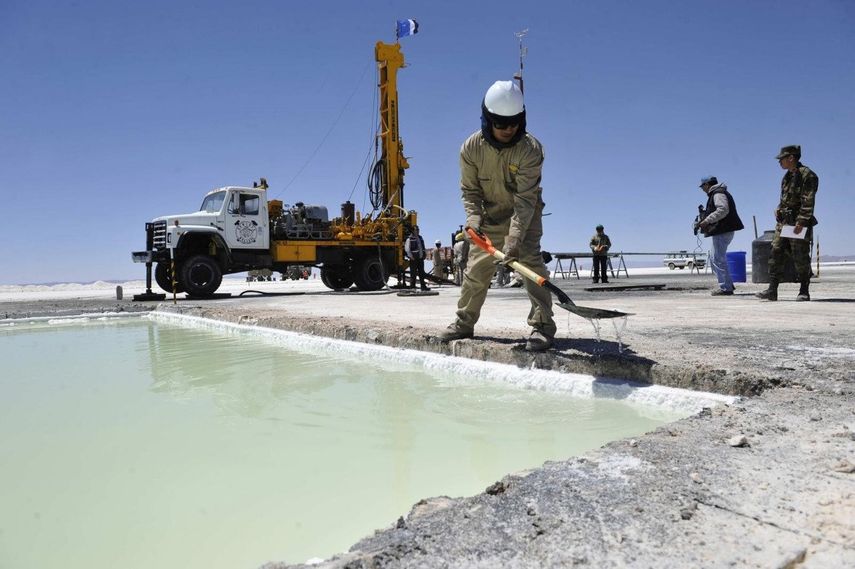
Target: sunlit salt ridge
80, 319
465, 369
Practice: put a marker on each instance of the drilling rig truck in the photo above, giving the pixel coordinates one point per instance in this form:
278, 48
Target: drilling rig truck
238, 229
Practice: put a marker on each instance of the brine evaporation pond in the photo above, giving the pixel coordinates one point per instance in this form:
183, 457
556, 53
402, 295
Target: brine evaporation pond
134, 443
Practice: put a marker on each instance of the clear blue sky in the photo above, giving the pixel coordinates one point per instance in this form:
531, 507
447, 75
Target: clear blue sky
115, 112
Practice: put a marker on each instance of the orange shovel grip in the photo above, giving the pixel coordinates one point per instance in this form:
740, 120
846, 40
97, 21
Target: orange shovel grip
482, 241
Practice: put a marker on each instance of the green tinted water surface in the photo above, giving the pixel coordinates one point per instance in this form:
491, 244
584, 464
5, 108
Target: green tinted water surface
138, 445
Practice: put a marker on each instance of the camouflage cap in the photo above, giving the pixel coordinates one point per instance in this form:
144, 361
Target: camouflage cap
791, 150
599, 227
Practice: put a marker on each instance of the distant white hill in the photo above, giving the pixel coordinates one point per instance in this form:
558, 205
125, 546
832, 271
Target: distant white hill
836, 258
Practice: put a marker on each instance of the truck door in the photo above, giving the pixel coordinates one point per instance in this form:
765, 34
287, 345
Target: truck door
246, 221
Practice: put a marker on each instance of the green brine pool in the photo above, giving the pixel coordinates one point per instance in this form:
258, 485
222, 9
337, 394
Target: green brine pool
175, 442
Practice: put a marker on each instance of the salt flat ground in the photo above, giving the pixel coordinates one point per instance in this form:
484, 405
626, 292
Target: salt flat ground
681, 496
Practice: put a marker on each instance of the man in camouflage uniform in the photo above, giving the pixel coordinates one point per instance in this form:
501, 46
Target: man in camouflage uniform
500, 170
798, 194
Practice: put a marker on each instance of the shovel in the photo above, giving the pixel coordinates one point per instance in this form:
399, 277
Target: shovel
482, 241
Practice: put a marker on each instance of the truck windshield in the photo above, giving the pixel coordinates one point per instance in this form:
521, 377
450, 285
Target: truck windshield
213, 202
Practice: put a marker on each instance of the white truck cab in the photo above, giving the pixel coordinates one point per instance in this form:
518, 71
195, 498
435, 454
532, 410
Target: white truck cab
238, 215
229, 233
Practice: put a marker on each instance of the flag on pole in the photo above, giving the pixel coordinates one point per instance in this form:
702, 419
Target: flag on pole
407, 28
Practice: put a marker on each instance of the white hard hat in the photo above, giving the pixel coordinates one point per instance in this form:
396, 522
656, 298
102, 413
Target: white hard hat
504, 98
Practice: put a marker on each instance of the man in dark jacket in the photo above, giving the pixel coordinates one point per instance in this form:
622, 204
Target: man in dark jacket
719, 221
798, 196
414, 248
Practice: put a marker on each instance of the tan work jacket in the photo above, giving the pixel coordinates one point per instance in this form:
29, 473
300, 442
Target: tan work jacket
498, 184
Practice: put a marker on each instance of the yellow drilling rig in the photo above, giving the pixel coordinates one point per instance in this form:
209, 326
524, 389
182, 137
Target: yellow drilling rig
238, 229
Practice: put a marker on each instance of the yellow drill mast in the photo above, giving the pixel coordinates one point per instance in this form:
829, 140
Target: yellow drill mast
389, 60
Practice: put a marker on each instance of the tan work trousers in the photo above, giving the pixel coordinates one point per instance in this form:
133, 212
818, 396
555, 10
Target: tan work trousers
480, 269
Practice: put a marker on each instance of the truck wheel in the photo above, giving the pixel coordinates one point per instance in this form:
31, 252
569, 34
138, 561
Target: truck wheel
672, 266
163, 279
200, 276
336, 277
369, 274
690, 265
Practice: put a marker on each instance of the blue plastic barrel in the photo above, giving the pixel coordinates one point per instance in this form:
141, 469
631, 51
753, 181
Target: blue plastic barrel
736, 266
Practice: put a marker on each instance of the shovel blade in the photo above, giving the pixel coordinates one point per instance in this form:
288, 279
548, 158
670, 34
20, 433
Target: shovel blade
588, 312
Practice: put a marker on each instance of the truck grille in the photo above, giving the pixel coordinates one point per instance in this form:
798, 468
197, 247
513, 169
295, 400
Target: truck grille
158, 233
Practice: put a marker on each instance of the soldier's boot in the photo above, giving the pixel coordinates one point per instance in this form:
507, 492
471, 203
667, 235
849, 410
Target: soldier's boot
538, 342
454, 332
803, 291
770, 293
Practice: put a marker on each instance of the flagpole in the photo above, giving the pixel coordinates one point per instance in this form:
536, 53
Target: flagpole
523, 52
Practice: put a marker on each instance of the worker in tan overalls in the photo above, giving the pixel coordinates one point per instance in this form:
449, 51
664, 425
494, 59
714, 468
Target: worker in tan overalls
500, 169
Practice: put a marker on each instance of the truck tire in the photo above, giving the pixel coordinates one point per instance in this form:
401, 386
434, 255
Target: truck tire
163, 278
336, 277
672, 266
200, 276
690, 265
369, 274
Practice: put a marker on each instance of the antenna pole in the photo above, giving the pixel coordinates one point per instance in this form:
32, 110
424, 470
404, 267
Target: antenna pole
523, 52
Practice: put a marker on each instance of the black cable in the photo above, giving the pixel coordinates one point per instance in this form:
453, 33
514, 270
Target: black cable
375, 183
264, 293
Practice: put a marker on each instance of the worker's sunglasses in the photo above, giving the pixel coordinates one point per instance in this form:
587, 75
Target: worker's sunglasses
504, 125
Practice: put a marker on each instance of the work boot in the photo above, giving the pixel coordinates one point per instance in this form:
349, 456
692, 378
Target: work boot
538, 342
770, 293
605, 281
722, 292
803, 291
454, 333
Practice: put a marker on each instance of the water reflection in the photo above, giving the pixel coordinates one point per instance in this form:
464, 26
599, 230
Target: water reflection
243, 377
